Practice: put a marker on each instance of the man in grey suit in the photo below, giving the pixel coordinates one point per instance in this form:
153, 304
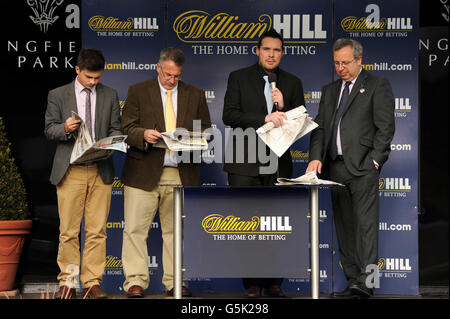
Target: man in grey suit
350, 146
83, 190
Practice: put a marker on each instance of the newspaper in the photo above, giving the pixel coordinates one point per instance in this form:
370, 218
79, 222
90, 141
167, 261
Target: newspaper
183, 140
85, 151
307, 179
279, 139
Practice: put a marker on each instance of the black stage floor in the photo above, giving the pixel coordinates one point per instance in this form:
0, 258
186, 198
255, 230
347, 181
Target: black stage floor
40, 290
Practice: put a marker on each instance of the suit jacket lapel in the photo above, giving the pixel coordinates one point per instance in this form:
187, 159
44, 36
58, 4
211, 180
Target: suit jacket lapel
256, 82
336, 91
356, 88
182, 104
70, 96
98, 109
155, 99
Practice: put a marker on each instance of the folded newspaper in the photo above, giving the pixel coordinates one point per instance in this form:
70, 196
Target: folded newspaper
307, 179
279, 139
85, 151
183, 140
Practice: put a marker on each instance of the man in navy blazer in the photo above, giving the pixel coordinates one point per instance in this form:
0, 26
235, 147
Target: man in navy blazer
249, 103
350, 146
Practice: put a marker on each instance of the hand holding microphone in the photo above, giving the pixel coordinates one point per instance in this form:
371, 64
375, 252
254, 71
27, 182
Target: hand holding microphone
277, 96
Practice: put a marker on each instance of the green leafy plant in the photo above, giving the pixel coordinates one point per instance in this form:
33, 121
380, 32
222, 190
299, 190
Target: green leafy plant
13, 201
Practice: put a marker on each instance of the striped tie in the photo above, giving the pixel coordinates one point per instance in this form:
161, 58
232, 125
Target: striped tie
88, 112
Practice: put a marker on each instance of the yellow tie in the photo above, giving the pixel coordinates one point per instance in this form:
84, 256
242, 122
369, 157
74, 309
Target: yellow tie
171, 120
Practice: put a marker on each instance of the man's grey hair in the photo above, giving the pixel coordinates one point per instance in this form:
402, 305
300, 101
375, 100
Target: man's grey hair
172, 54
355, 45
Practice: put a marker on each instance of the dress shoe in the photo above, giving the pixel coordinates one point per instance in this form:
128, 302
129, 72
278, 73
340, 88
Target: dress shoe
274, 291
360, 289
346, 293
135, 292
185, 292
253, 292
65, 292
94, 292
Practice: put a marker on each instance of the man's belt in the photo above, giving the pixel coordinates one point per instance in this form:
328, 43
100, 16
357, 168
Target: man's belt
84, 164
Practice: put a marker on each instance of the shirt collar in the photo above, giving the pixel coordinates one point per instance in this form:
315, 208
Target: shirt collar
354, 80
163, 90
263, 73
79, 87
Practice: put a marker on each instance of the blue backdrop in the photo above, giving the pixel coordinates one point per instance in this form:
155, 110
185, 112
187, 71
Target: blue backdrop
218, 37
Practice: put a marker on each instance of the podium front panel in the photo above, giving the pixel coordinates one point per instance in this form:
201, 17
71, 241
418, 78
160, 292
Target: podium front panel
246, 232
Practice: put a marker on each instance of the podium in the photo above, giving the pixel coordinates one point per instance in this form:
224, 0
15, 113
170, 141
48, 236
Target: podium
313, 199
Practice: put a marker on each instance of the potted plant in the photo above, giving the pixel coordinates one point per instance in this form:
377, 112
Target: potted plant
15, 222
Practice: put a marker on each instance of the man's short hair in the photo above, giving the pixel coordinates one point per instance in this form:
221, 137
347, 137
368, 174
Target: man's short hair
355, 45
172, 54
271, 33
91, 59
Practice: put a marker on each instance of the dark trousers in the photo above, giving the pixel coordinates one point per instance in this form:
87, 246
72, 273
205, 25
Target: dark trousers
260, 180
356, 212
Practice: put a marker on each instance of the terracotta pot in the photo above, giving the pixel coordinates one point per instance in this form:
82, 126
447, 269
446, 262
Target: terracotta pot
12, 238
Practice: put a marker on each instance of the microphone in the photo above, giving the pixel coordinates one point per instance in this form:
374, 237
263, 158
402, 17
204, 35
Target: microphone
273, 84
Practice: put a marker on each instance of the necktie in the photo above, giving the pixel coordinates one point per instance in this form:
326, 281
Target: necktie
268, 94
337, 119
88, 112
171, 120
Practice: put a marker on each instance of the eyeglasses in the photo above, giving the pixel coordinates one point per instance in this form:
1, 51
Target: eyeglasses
170, 76
343, 63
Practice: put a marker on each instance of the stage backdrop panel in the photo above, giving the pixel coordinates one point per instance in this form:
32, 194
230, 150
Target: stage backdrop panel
211, 34
131, 35
218, 38
389, 33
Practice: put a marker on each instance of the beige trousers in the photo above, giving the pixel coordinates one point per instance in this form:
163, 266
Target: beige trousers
82, 193
139, 211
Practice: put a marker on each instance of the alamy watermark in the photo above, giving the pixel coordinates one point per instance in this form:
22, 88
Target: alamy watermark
239, 146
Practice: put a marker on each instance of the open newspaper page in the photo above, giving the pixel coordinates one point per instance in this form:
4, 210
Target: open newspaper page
279, 139
183, 140
84, 151
307, 179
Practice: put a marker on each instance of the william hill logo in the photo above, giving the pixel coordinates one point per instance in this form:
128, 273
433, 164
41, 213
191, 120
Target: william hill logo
299, 155
375, 23
200, 26
114, 262
216, 223
394, 264
351, 23
196, 26
394, 184
313, 96
101, 23
117, 186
